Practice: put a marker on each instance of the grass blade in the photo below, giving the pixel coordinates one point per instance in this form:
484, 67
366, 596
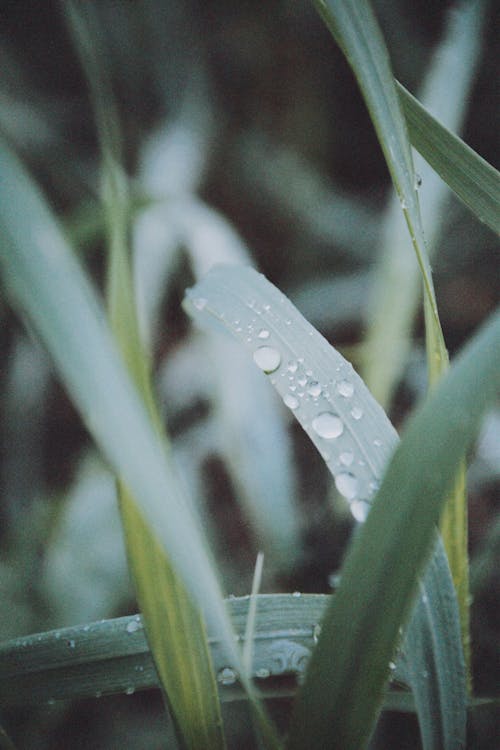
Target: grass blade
356, 440
397, 288
174, 625
45, 282
471, 178
380, 571
355, 29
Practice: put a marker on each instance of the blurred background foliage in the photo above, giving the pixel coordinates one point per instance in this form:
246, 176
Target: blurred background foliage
245, 140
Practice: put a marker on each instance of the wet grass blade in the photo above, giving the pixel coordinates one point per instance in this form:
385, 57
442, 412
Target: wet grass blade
356, 31
472, 179
379, 575
356, 440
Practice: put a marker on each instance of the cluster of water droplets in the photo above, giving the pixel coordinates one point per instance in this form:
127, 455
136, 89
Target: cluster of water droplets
312, 401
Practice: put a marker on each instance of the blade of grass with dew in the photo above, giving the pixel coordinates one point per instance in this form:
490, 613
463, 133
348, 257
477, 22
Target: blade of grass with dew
356, 440
393, 546
396, 289
355, 29
45, 283
112, 656
264, 486
472, 178
174, 625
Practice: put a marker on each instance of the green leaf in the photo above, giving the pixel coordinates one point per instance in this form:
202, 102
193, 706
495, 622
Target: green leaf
337, 707
356, 440
355, 29
473, 179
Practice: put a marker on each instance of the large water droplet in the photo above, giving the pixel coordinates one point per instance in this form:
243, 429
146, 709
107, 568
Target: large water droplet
359, 510
347, 485
314, 389
227, 676
327, 425
291, 401
267, 358
133, 626
262, 673
345, 388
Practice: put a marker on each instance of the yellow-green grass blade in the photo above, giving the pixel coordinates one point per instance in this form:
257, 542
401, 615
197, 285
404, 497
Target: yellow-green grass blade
356, 440
396, 291
472, 178
355, 29
173, 623
45, 283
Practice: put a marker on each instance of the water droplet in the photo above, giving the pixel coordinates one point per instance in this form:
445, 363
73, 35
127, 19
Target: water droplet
418, 181
314, 389
345, 388
327, 425
227, 676
346, 458
359, 510
356, 412
316, 632
200, 303
292, 367
133, 626
347, 485
263, 333
296, 594
377, 442
262, 673
267, 358
291, 401
98, 693
302, 380
403, 204
392, 666
130, 690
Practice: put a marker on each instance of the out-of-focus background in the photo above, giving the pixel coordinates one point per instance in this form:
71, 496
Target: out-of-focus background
246, 141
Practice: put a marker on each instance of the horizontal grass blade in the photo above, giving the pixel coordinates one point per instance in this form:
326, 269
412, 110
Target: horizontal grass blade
356, 440
472, 178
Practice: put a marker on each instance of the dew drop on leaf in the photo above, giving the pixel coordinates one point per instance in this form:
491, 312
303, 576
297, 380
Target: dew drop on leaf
227, 676
327, 425
263, 333
356, 412
359, 510
267, 358
347, 485
291, 401
345, 388
314, 389
346, 458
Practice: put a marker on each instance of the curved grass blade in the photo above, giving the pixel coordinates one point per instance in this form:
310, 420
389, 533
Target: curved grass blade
355, 438
472, 178
355, 29
397, 287
379, 575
